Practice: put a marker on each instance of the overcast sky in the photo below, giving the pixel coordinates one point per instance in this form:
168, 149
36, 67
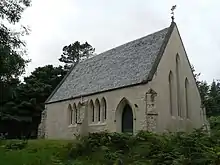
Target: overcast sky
108, 23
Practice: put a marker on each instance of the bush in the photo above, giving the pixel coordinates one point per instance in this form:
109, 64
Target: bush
146, 148
197, 147
15, 144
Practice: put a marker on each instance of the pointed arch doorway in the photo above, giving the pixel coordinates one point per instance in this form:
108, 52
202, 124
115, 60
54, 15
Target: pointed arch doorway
124, 117
127, 119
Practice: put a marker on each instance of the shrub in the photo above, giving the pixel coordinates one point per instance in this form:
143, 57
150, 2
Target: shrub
15, 144
146, 148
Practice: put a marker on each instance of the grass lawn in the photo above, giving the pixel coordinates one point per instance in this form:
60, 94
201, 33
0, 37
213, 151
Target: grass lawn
36, 152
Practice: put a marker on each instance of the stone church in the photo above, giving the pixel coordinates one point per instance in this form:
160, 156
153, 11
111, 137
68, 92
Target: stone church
145, 84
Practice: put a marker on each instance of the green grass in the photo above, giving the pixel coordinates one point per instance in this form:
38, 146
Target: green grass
37, 152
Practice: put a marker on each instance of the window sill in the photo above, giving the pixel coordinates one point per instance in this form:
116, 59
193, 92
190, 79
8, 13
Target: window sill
97, 124
72, 125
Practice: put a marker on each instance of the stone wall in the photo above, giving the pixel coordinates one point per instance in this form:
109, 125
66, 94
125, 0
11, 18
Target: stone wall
42, 126
151, 112
57, 115
144, 113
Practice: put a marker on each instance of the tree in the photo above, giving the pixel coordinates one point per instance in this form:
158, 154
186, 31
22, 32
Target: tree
204, 91
33, 92
212, 103
11, 10
12, 64
41, 83
28, 99
74, 53
210, 95
12, 49
11, 46
196, 75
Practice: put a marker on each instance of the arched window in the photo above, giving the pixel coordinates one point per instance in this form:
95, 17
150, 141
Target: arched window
75, 113
171, 93
98, 111
104, 112
178, 85
187, 95
79, 113
92, 112
70, 113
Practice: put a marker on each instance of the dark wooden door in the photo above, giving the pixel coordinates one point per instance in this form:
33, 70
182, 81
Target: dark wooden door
127, 120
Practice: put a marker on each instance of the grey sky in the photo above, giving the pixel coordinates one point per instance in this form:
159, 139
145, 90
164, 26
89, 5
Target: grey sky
109, 23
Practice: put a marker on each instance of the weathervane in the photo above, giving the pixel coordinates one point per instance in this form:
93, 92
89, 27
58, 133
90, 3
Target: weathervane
172, 13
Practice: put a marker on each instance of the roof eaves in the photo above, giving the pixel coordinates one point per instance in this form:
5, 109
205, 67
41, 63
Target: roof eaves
89, 94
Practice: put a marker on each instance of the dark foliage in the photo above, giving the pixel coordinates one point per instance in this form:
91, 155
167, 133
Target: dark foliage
27, 101
12, 63
74, 53
147, 148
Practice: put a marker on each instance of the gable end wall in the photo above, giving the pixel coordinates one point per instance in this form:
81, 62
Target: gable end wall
160, 83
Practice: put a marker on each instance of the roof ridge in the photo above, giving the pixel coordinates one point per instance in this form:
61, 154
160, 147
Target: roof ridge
123, 44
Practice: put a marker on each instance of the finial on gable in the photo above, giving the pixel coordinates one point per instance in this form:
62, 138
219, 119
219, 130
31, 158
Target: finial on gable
172, 13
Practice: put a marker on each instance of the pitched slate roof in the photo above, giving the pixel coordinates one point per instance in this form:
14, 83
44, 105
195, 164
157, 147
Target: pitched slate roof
125, 65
